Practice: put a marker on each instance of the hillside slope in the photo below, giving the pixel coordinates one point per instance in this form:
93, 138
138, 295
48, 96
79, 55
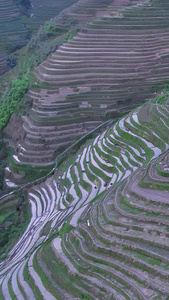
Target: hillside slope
114, 252
108, 67
12, 31
18, 23
99, 220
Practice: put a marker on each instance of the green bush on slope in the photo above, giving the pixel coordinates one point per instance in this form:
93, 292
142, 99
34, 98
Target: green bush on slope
13, 98
14, 217
3, 161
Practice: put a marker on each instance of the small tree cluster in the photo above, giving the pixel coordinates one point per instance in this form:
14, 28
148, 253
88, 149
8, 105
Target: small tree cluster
13, 98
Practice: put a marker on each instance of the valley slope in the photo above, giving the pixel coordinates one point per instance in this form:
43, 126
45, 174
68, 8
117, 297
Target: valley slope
119, 248
105, 70
99, 220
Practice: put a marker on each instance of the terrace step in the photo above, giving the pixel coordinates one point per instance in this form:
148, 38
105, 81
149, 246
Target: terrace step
125, 63
116, 243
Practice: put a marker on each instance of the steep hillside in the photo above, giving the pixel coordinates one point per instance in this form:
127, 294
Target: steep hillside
19, 22
42, 11
12, 31
109, 67
91, 221
119, 248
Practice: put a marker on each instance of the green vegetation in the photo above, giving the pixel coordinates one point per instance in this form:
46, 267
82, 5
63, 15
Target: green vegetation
128, 207
13, 296
1, 296
37, 264
120, 247
52, 29
31, 282
161, 172
14, 218
12, 99
75, 181
3, 161
67, 38
99, 173
31, 173
146, 182
82, 182
134, 139
162, 98
97, 197
26, 59
162, 86
65, 229
151, 261
62, 277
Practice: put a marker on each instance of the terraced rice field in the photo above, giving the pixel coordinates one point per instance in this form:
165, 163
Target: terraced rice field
119, 249
99, 225
110, 66
13, 31
42, 11
85, 10
16, 28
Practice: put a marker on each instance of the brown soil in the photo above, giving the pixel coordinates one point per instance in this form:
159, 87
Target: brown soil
14, 129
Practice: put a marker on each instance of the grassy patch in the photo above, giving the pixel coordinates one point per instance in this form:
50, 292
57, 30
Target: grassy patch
45, 280
99, 173
14, 216
151, 261
13, 97
97, 197
76, 186
52, 29
61, 275
162, 173
135, 140
11, 292
65, 229
31, 282
1, 296
127, 206
152, 185
31, 173
4, 152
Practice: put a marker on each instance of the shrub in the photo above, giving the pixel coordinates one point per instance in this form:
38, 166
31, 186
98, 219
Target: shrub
13, 98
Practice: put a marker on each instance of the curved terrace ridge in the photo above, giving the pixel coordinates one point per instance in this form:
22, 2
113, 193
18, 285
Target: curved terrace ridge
104, 251
110, 66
